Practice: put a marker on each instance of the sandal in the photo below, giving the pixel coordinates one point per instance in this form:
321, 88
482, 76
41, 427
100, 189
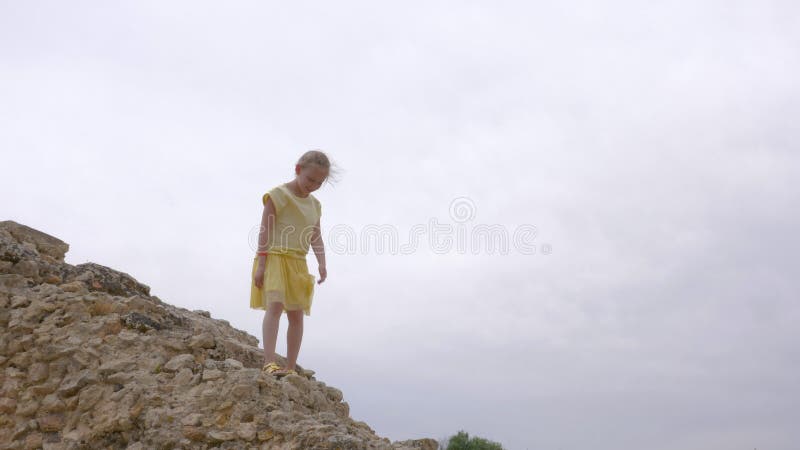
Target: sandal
271, 367
284, 371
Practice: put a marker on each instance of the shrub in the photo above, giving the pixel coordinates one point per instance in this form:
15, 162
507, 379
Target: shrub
462, 441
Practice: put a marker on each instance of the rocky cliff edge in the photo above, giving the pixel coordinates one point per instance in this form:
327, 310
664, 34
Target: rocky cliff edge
90, 360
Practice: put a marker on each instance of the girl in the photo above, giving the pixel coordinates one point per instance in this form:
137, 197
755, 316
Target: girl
281, 282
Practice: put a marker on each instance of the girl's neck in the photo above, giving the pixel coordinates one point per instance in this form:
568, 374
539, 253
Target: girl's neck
293, 189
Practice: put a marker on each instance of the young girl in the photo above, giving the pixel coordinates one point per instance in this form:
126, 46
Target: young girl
281, 282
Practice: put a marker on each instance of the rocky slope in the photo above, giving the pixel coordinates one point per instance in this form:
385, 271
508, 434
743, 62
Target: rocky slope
89, 360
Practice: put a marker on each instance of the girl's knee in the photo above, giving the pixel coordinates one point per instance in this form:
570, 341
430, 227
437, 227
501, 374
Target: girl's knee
275, 308
295, 316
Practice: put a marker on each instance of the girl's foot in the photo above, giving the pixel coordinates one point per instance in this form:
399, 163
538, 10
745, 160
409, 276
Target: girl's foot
283, 371
271, 368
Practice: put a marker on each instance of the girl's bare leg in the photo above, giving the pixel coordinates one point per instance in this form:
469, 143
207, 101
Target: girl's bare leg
269, 328
294, 336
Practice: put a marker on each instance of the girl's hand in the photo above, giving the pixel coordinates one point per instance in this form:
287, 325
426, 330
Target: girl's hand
323, 273
258, 278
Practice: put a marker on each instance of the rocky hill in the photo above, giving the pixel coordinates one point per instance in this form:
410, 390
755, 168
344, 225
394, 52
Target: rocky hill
90, 360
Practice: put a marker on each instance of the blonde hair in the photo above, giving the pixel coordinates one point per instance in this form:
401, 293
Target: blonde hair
321, 160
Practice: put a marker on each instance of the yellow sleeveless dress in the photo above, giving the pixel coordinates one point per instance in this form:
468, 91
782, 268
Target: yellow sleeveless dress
286, 276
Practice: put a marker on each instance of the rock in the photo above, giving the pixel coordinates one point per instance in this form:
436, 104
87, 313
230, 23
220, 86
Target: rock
73, 383
217, 435
119, 378
233, 364
265, 435
140, 322
37, 372
89, 397
334, 394
51, 422
7, 405
52, 403
212, 374
203, 340
75, 286
13, 282
105, 279
42, 243
19, 301
117, 365
244, 391
27, 268
246, 431
422, 444
27, 409
33, 441
52, 279
194, 433
94, 361
178, 362
192, 420
184, 376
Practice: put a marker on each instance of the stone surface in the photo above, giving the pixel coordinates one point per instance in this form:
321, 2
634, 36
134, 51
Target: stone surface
90, 360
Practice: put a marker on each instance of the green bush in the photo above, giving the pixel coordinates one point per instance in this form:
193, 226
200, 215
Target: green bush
462, 441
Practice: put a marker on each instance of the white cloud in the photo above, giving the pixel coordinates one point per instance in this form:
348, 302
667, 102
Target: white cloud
651, 145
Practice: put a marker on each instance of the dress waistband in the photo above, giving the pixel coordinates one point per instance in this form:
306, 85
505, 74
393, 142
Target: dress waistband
285, 252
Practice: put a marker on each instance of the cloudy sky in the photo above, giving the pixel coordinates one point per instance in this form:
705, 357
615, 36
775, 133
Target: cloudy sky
652, 146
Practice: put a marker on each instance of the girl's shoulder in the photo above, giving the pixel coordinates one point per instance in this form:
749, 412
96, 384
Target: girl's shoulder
278, 189
317, 204
278, 195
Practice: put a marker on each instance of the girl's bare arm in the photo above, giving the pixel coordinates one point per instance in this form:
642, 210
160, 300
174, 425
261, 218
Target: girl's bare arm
318, 245
267, 225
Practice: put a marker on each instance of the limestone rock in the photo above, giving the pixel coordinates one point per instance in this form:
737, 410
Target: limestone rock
90, 360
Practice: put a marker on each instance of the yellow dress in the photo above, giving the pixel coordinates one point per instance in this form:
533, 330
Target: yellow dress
286, 276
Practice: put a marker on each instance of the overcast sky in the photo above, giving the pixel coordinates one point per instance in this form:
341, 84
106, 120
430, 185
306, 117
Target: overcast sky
653, 147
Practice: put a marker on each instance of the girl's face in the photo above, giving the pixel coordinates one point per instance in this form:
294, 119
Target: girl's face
310, 178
